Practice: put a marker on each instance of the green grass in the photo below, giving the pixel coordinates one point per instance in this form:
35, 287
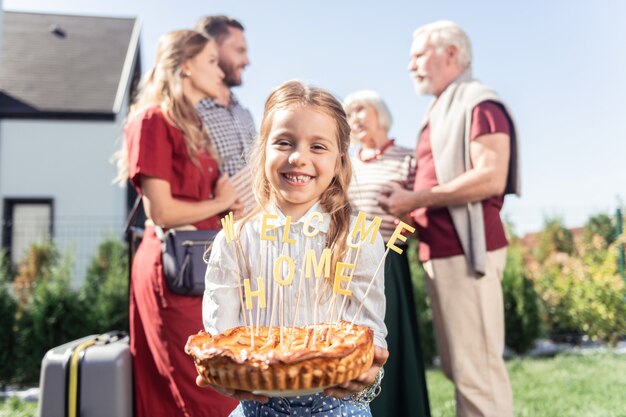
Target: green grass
13, 407
564, 386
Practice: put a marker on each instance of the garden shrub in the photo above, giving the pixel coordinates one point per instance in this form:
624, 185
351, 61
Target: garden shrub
51, 312
599, 226
583, 295
522, 311
424, 312
37, 264
8, 309
601, 303
106, 287
554, 238
598, 234
55, 315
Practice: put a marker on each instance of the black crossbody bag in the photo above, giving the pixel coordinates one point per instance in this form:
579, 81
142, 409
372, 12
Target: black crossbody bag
182, 255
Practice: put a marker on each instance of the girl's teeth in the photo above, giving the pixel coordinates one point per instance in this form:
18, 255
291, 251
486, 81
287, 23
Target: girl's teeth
299, 178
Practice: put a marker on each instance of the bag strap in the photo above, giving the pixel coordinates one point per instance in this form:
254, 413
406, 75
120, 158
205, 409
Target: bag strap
128, 226
128, 235
131, 217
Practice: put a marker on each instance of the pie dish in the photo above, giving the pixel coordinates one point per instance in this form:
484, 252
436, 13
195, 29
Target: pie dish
291, 359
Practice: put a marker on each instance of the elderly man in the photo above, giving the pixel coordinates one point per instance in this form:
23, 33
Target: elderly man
466, 162
230, 125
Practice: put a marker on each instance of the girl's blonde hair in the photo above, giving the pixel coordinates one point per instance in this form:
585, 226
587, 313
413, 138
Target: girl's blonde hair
294, 94
163, 86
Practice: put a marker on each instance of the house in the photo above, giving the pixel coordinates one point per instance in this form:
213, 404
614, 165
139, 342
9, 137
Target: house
65, 88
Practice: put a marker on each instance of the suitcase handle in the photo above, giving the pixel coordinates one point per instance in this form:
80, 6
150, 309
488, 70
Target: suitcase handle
72, 390
110, 337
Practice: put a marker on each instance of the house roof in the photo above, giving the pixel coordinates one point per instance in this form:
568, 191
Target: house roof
62, 66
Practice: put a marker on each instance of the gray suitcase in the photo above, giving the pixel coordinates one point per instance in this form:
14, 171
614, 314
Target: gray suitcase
88, 377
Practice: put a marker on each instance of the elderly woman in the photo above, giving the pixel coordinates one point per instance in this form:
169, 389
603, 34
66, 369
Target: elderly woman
377, 163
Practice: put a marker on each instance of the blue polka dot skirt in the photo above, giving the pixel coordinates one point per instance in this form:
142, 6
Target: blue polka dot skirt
316, 405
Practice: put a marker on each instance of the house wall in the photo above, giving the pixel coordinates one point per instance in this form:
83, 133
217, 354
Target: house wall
1, 27
68, 161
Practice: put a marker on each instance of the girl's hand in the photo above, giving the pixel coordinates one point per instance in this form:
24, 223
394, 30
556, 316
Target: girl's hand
225, 192
236, 394
364, 380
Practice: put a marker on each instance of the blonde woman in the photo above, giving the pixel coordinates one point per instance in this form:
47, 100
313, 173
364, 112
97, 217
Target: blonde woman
169, 159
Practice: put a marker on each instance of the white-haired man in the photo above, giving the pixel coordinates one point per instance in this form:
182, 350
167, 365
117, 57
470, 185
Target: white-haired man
466, 162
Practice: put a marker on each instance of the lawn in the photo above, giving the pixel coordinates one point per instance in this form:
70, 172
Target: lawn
16, 408
564, 386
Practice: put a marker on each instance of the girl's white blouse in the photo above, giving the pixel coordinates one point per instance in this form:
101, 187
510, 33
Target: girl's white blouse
222, 307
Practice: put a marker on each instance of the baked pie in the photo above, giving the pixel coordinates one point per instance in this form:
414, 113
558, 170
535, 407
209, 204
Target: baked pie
300, 359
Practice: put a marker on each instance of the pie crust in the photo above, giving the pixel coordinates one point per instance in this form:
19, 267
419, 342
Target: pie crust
338, 353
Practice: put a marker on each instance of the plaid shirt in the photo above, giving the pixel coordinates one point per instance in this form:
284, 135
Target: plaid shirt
232, 131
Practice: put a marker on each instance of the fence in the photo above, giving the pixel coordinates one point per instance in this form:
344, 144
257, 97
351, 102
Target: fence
77, 237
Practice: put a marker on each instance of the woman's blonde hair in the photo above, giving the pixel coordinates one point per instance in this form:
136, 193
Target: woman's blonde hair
334, 200
163, 86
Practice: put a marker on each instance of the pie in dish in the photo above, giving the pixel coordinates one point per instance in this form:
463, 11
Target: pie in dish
301, 359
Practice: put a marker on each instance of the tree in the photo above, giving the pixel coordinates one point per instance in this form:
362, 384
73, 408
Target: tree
600, 225
555, 238
106, 286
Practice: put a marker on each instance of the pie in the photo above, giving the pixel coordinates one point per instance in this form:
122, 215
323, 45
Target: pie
302, 358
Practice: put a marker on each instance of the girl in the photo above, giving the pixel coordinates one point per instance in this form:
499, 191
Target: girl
302, 164
167, 157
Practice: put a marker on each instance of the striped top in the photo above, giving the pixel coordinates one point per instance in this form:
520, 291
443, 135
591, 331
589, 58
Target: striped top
395, 164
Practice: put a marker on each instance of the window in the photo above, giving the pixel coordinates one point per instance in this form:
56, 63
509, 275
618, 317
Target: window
26, 221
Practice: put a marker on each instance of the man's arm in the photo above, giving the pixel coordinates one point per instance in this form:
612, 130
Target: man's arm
487, 177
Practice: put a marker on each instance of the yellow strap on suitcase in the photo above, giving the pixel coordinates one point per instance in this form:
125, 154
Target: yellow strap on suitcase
72, 386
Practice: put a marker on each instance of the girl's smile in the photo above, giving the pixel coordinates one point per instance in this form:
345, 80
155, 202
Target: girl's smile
295, 178
301, 158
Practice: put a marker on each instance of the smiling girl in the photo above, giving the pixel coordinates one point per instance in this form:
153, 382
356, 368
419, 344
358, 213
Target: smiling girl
302, 166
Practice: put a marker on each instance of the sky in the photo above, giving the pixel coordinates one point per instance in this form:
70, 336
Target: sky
560, 66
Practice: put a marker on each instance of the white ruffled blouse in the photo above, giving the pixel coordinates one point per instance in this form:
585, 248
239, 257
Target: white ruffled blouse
294, 303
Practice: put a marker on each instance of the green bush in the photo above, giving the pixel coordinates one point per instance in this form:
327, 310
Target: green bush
522, 313
55, 315
43, 311
424, 312
582, 295
554, 238
106, 287
8, 309
599, 226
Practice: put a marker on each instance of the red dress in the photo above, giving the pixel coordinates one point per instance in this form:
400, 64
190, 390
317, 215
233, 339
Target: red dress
160, 321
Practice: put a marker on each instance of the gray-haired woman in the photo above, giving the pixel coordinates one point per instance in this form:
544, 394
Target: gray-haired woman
380, 162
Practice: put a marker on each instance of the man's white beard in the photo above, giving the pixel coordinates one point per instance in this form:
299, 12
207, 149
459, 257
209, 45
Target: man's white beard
422, 87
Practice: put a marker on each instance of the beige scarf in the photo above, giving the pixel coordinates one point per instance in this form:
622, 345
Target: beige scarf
450, 119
